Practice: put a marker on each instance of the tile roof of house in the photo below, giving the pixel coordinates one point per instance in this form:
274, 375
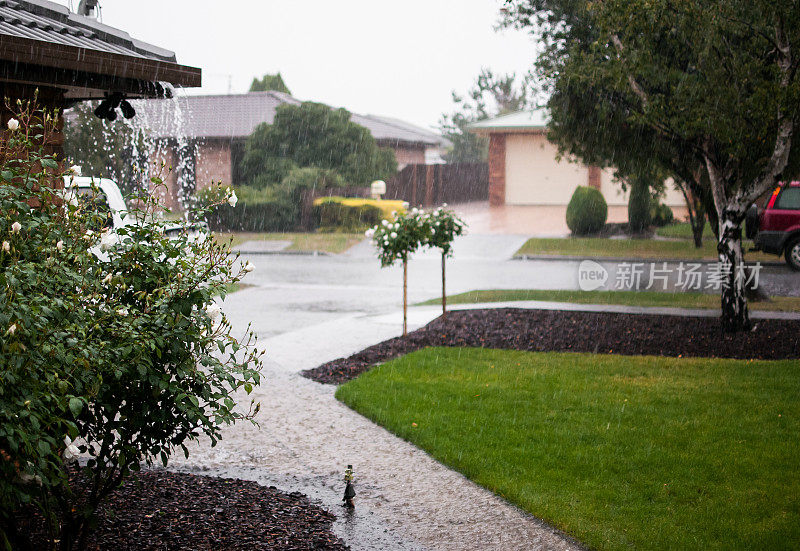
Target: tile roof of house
536, 119
237, 115
53, 23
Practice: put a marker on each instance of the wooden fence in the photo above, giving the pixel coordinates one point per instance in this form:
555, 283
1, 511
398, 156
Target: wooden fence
430, 185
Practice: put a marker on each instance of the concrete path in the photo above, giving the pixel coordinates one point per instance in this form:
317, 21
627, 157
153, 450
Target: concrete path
405, 500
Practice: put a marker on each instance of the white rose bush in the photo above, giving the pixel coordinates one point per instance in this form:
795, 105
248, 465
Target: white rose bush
118, 358
396, 239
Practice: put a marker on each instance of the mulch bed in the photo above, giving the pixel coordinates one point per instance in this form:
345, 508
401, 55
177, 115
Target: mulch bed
564, 331
161, 510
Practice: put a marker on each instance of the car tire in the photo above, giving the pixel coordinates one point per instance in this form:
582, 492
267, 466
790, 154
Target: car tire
792, 253
751, 222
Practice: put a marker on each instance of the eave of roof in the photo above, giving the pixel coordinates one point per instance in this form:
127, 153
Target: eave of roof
526, 122
44, 43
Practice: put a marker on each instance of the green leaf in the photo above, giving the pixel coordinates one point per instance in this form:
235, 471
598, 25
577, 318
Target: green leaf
75, 406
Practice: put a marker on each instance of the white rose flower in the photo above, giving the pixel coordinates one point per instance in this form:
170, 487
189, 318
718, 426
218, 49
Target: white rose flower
433, 232
122, 312
71, 452
405, 204
232, 200
393, 235
16, 227
396, 226
12, 329
13, 124
213, 311
6, 246
444, 204
108, 240
415, 210
75, 170
384, 223
60, 245
248, 267
28, 478
370, 232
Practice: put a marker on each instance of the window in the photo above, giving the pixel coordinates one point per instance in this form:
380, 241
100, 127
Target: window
789, 199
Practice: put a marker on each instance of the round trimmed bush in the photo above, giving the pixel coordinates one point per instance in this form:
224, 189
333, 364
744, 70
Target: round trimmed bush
661, 214
587, 211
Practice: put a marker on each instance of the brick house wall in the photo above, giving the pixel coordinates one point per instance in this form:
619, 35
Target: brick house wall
408, 155
168, 192
213, 163
497, 170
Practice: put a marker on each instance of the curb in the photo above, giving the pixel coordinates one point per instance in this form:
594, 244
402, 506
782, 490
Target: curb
285, 253
626, 259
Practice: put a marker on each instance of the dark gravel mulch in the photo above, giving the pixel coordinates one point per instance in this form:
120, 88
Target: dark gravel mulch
564, 331
162, 510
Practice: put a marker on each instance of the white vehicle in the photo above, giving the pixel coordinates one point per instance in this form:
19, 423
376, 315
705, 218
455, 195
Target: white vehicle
104, 193
107, 198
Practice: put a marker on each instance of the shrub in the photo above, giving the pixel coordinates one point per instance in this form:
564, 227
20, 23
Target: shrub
661, 214
388, 207
256, 211
639, 204
117, 356
311, 178
333, 214
587, 211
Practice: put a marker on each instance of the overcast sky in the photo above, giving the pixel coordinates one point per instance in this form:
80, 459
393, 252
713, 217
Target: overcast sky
399, 58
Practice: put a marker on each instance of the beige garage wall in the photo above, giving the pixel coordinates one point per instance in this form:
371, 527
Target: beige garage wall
614, 195
534, 177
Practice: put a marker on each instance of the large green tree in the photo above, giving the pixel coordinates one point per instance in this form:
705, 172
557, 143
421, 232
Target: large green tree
491, 95
314, 135
269, 82
707, 89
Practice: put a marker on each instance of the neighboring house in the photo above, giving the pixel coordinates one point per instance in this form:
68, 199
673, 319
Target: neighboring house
524, 168
212, 130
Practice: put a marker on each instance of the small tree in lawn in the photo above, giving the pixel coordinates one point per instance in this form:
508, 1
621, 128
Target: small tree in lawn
397, 239
442, 226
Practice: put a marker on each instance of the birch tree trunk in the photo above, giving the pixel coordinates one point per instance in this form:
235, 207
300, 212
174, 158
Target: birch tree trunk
735, 314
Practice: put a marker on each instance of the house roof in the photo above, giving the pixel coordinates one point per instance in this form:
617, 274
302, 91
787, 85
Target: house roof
522, 121
37, 34
237, 115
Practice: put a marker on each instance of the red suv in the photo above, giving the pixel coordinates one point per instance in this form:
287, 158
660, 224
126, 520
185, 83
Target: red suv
775, 229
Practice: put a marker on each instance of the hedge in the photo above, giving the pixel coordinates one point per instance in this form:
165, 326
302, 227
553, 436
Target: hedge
337, 214
256, 211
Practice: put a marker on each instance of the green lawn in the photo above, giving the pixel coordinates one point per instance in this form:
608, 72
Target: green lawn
630, 298
620, 452
596, 247
322, 242
683, 230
